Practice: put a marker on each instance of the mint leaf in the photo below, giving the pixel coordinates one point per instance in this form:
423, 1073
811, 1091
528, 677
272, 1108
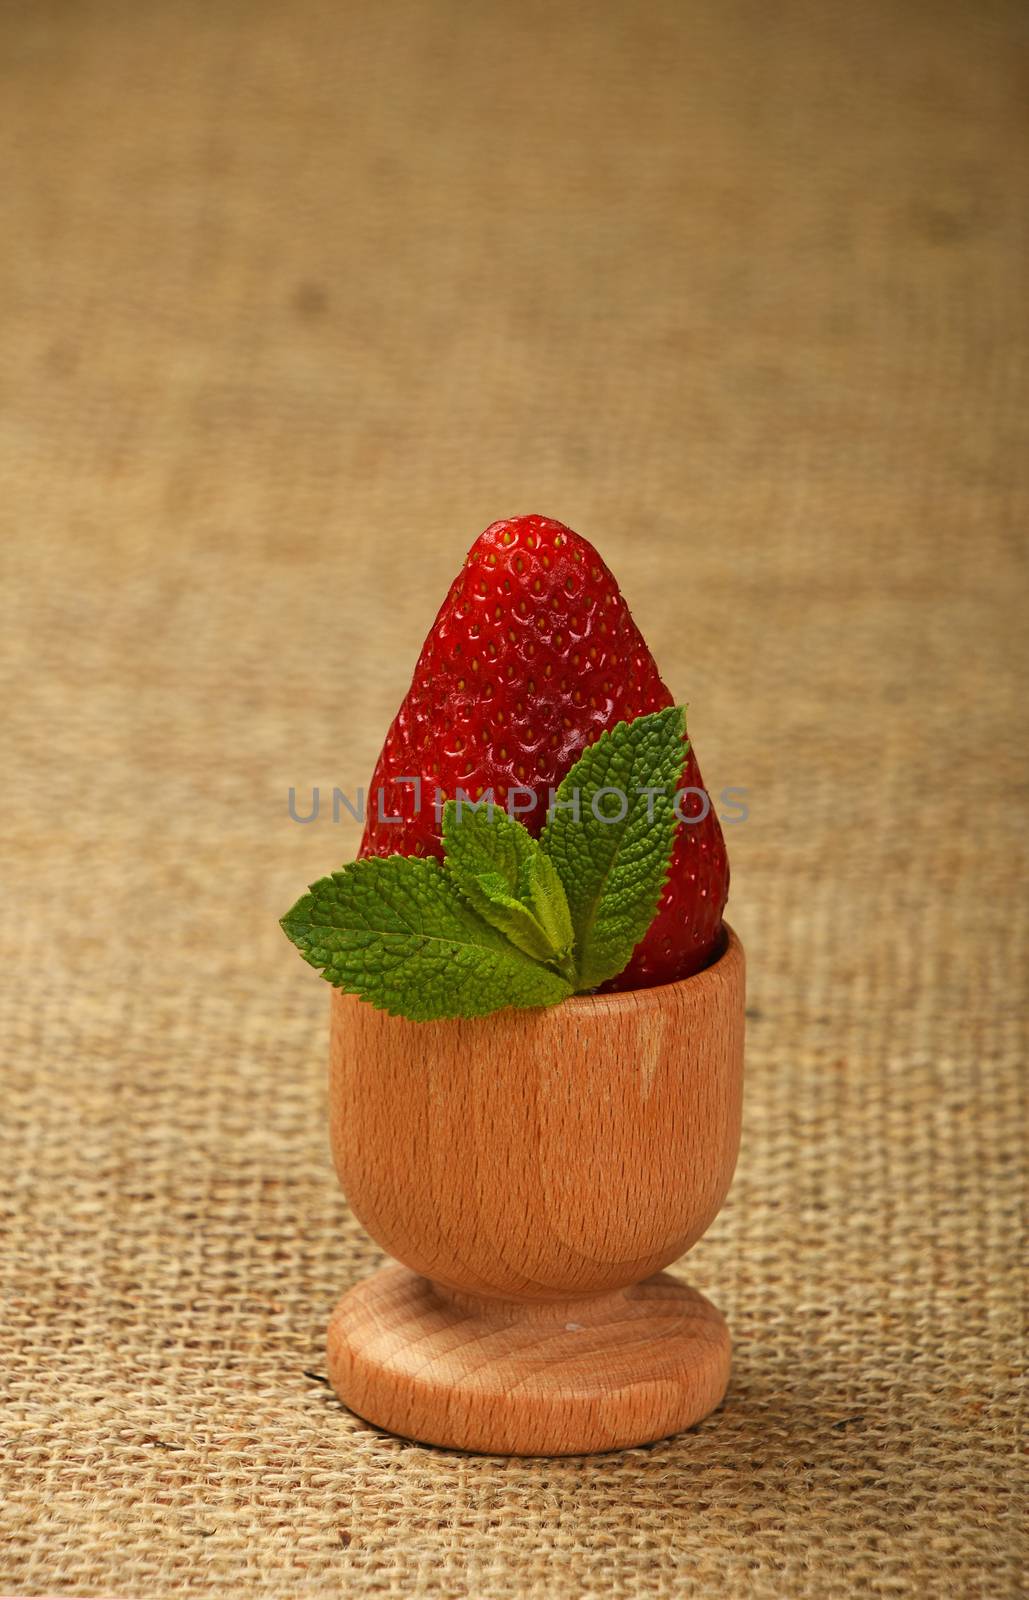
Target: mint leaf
542, 889
488, 896
397, 932
479, 839
500, 868
613, 871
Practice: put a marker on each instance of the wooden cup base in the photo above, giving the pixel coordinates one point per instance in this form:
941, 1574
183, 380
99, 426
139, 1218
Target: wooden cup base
546, 1378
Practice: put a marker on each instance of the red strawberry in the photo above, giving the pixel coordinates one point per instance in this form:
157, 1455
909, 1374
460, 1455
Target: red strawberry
532, 655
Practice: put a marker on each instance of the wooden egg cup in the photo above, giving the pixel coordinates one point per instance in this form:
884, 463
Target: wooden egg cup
534, 1170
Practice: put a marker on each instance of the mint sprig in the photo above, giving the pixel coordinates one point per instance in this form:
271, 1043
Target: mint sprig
509, 920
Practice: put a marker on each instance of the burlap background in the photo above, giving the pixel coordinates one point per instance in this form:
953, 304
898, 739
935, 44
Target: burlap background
296, 298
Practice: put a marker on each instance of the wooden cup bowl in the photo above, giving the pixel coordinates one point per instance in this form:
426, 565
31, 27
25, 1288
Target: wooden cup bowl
534, 1170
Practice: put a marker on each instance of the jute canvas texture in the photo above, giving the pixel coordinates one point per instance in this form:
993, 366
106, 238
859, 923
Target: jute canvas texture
295, 299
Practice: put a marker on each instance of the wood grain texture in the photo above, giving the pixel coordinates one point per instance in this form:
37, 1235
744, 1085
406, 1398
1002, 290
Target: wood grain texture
551, 1379
531, 1169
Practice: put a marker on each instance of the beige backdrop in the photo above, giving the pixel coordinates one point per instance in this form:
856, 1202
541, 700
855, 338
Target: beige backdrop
295, 299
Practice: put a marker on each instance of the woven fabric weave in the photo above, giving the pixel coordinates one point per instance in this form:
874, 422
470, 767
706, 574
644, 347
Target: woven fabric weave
295, 300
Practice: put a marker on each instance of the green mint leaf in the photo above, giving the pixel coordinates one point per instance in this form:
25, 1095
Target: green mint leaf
542, 889
478, 839
613, 871
487, 895
500, 868
397, 931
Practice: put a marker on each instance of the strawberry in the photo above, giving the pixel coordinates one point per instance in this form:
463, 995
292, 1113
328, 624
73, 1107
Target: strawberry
532, 655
